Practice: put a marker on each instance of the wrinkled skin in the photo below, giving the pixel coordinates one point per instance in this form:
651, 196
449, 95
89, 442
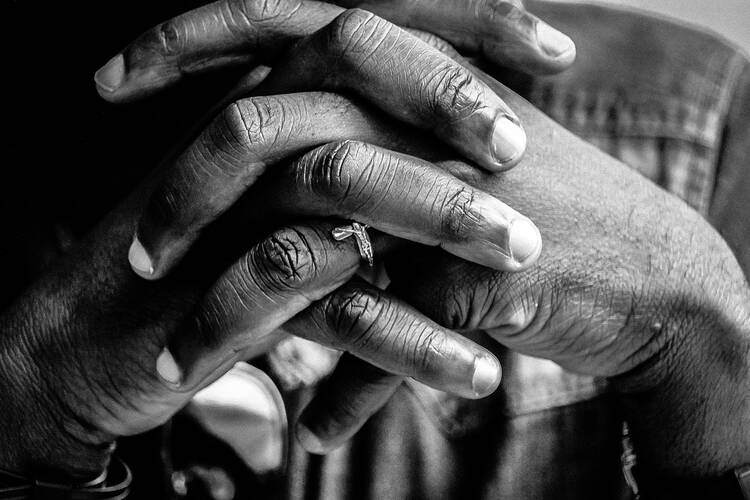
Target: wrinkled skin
632, 285
79, 349
617, 249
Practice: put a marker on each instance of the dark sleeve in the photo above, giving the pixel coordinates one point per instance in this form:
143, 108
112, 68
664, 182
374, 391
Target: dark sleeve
730, 208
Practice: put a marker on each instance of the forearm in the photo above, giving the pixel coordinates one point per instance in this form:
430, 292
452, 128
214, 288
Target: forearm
51, 363
43, 434
37, 437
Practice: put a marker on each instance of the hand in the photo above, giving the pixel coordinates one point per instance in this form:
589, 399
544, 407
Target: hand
231, 33
82, 358
204, 183
633, 285
225, 34
424, 87
396, 193
192, 196
83, 351
98, 373
211, 175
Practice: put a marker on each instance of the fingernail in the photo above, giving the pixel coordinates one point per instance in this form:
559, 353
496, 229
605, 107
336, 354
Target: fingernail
486, 375
308, 440
139, 259
110, 76
168, 369
553, 42
508, 140
524, 239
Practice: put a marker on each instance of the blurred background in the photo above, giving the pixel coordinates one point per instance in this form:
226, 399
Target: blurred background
730, 18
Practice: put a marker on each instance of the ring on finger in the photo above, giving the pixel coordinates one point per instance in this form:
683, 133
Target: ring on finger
359, 231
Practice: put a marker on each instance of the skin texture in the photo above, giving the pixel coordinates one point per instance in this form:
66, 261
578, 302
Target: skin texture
631, 285
191, 196
501, 32
695, 364
230, 33
55, 346
81, 349
395, 71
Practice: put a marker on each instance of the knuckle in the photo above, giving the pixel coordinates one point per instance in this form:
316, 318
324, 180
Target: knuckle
425, 348
337, 170
233, 130
258, 124
287, 261
255, 11
467, 298
170, 36
458, 215
457, 314
508, 11
453, 91
167, 203
216, 151
356, 31
511, 302
342, 414
353, 315
210, 319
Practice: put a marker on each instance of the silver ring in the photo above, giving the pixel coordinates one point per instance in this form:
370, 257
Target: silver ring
359, 231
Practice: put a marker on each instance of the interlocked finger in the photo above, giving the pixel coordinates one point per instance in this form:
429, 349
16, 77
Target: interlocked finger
408, 79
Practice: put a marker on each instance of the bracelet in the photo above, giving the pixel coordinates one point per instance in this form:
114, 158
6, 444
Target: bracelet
732, 485
112, 484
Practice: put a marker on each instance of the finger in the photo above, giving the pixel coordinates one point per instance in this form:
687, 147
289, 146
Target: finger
231, 153
502, 31
406, 197
515, 307
438, 43
274, 281
222, 34
380, 329
407, 79
232, 33
237, 147
344, 402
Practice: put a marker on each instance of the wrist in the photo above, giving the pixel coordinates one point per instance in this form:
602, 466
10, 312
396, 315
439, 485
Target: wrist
42, 437
52, 453
689, 406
